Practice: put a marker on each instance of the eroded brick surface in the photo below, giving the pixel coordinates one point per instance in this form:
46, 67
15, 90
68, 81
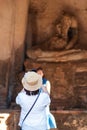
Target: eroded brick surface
66, 120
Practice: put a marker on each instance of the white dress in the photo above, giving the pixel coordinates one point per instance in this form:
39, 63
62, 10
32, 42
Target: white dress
36, 120
51, 123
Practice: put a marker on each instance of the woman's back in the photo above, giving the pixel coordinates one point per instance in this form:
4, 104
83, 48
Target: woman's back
36, 120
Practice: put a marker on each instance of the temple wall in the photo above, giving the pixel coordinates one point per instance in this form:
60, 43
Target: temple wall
13, 21
26, 23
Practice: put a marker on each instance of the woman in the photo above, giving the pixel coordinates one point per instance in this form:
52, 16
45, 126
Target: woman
51, 123
36, 119
45, 82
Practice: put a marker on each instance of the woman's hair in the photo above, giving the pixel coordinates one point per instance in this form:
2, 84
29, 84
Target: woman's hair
31, 92
34, 70
39, 68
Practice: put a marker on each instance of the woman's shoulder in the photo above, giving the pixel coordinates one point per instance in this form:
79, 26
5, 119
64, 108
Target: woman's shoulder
45, 94
44, 97
21, 93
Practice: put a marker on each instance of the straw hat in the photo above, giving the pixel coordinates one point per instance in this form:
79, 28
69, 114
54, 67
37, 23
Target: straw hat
32, 81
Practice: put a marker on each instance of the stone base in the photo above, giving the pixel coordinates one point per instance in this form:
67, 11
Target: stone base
66, 120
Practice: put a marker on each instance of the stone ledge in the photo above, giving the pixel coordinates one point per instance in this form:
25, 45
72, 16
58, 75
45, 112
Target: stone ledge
66, 119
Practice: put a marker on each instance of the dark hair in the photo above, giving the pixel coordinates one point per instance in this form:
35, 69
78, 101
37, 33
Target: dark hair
31, 92
39, 68
34, 70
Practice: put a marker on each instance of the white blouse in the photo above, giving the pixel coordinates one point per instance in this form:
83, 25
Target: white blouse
36, 120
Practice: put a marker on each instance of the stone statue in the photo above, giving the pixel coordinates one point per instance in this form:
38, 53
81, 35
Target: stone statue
66, 34
65, 37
